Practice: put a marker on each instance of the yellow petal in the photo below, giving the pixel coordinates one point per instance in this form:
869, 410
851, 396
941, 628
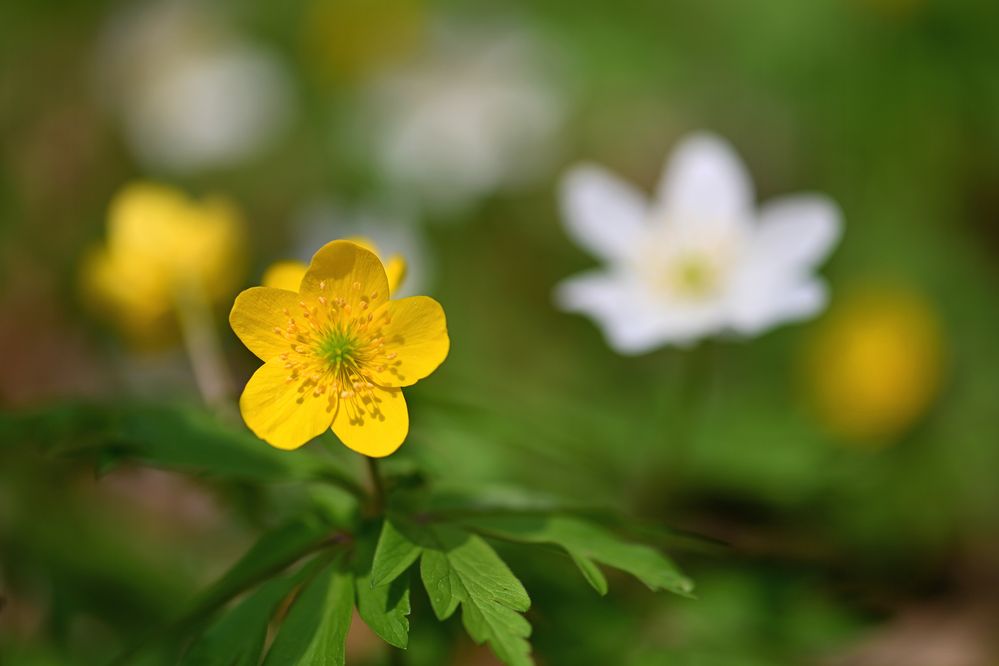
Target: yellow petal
285, 275
395, 270
344, 269
256, 314
364, 242
417, 337
395, 266
375, 424
284, 414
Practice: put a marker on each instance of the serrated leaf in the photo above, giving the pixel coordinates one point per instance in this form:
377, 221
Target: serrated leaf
315, 631
582, 539
383, 608
461, 568
237, 638
435, 571
591, 572
395, 552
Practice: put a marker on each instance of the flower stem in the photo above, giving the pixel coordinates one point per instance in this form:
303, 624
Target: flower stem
695, 383
203, 348
377, 486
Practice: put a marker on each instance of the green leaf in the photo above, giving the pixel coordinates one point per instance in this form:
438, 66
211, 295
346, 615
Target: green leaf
395, 552
177, 437
439, 581
315, 631
383, 608
269, 556
461, 568
585, 541
237, 639
591, 572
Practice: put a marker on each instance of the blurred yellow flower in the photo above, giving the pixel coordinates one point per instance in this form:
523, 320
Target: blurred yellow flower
161, 247
350, 38
336, 353
284, 275
288, 274
874, 365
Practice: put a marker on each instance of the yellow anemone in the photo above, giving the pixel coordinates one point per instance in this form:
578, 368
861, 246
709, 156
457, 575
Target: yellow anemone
288, 274
336, 353
349, 39
161, 246
875, 365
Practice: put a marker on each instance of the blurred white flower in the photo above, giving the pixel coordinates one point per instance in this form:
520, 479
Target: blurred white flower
697, 260
190, 94
390, 230
475, 115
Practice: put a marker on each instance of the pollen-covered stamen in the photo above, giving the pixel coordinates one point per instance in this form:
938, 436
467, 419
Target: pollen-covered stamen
337, 348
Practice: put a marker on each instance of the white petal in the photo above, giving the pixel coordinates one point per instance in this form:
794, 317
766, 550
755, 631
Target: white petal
704, 179
632, 319
796, 233
602, 213
775, 284
763, 305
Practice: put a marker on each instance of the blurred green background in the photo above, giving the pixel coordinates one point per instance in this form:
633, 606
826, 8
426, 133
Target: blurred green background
809, 545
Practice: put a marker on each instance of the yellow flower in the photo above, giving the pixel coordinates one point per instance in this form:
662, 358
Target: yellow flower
161, 247
875, 365
285, 275
288, 274
336, 353
351, 38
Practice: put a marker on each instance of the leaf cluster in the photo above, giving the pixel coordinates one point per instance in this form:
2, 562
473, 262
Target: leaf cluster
292, 597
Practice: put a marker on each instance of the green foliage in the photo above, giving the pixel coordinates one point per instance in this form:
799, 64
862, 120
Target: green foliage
237, 639
587, 543
318, 568
273, 553
315, 631
174, 437
383, 607
394, 554
461, 568
458, 568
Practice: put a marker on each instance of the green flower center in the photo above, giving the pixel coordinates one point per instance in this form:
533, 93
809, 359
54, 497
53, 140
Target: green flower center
338, 348
695, 276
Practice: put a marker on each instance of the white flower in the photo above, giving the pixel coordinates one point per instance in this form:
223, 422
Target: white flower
476, 115
190, 94
697, 260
